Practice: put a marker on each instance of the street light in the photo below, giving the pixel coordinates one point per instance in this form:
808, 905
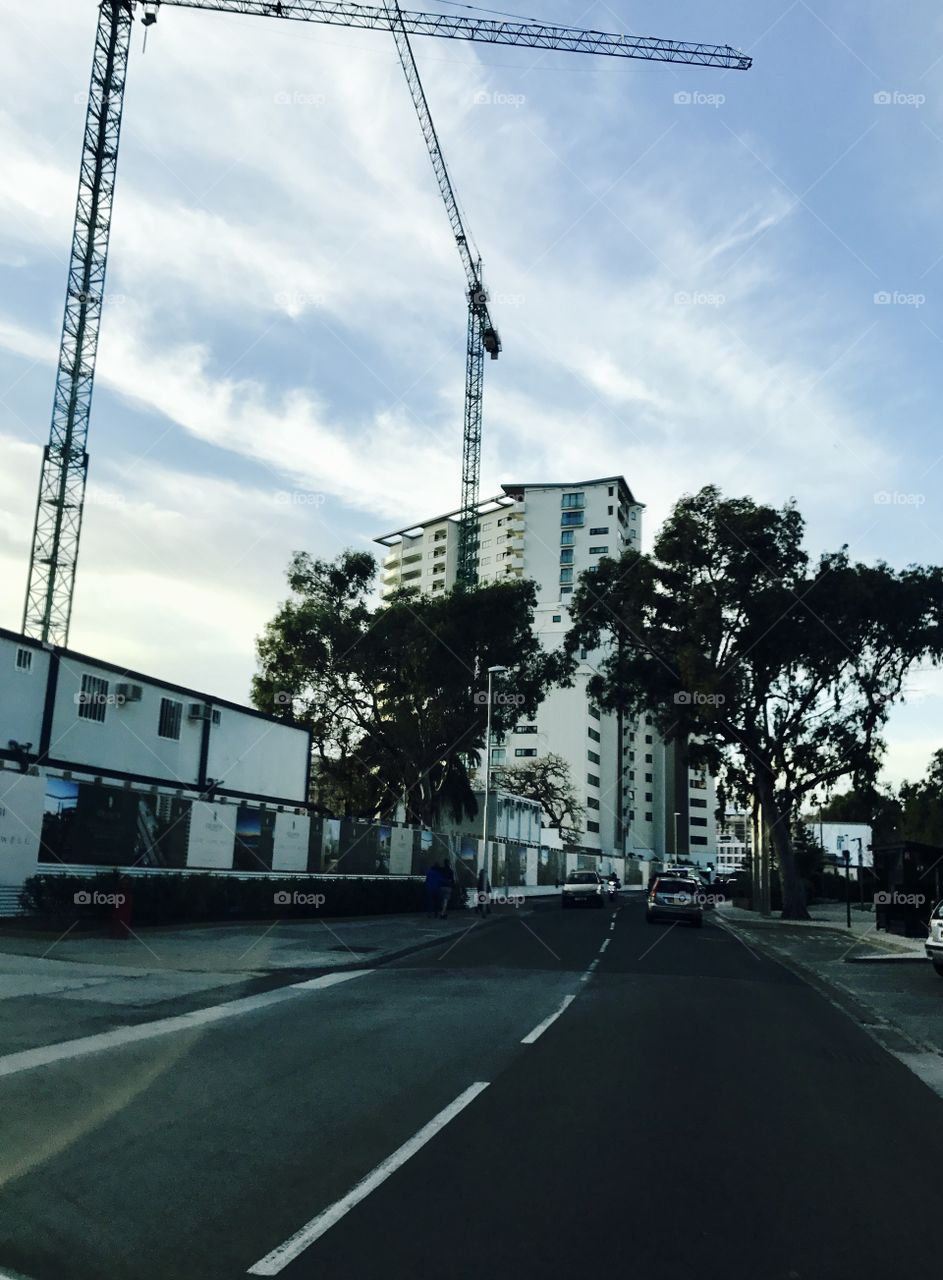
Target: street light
492, 671
677, 816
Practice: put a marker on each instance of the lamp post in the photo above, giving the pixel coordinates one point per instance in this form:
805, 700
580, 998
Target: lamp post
677, 816
492, 671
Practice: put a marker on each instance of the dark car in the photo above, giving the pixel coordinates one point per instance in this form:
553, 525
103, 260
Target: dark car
675, 898
583, 889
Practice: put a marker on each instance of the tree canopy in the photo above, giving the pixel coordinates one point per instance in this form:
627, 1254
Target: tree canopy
547, 780
396, 694
781, 668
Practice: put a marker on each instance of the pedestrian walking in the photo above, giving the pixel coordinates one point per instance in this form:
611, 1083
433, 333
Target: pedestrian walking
446, 881
483, 904
433, 887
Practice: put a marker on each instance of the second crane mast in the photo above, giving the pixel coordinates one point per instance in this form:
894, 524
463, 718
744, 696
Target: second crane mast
481, 334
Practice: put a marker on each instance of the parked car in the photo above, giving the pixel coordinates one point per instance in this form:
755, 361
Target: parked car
583, 889
935, 938
675, 898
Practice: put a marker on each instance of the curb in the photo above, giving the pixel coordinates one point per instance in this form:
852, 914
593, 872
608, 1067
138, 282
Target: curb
387, 956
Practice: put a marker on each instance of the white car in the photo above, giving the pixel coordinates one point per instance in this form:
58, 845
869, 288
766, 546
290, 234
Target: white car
935, 938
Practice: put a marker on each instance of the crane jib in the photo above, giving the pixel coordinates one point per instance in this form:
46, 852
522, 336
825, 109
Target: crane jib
539, 35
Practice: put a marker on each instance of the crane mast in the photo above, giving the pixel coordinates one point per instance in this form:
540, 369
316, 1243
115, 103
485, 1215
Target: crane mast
54, 554
481, 334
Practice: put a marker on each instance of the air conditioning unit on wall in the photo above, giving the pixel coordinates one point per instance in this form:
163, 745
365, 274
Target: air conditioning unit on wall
128, 693
203, 711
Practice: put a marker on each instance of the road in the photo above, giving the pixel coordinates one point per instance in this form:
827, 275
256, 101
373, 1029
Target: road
694, 1109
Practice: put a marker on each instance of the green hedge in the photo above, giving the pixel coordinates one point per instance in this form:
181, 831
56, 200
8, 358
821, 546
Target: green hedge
174, 899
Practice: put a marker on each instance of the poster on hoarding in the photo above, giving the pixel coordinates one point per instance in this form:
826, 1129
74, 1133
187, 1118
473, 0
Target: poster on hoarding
255, 839
96, 825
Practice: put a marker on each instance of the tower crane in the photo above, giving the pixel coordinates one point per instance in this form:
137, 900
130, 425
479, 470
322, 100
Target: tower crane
481, 334
57, 528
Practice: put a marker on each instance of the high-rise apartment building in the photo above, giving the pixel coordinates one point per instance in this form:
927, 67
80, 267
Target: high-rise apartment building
638, 794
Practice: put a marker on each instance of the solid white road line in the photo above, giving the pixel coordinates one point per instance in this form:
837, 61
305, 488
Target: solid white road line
279, 1258
604, 945
547, 1022
28, 1059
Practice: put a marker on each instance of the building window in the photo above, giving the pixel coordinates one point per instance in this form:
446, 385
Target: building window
648, 719
648, 797
572, 519
168, 723
592, 757
648, 739
648, 758
567, 537
556, 618
697, 804
698, 822
611, 491
599, 551
609, 510
699, 839
566, 591
631, 815
592, 779
566, 575
525, 751
593, 711
573, 500
592, 826
584, 654
526, 728
599, 531
648, 817
24, 659
592, 802
566, 555
594, 735
497, 755
93, 699
648, 777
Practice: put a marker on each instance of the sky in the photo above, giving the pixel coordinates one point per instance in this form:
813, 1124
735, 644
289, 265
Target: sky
699, 276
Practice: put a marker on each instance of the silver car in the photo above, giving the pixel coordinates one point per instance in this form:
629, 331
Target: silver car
583, 889
675, 898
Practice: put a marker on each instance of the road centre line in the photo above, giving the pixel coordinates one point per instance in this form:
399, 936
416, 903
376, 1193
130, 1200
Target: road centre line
541, 1027
280, 1257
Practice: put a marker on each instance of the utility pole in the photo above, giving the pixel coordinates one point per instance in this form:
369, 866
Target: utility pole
486, 853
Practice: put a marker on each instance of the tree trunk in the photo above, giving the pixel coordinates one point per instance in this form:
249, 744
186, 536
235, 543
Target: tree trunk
776, 822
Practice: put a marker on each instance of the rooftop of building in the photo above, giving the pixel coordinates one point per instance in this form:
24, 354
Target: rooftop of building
510, 493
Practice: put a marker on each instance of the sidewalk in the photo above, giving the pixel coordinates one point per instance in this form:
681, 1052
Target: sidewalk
832, 916
240, 950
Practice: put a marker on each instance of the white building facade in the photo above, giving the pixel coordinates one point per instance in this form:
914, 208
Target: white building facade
101, 767
639, 796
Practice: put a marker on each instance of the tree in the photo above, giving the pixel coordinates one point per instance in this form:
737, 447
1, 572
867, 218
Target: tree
396, 695
740, 646
877, 807
921, 805
547, 780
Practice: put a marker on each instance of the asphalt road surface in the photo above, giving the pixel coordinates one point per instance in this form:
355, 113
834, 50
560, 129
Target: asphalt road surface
694, 1110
